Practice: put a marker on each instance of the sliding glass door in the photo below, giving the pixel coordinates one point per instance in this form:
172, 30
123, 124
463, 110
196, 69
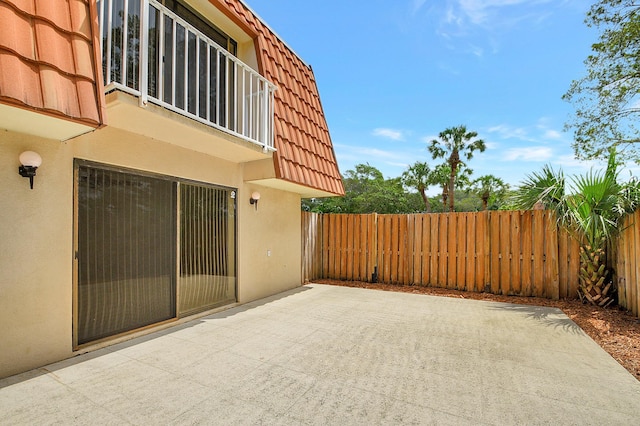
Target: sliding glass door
149, 249
207, 248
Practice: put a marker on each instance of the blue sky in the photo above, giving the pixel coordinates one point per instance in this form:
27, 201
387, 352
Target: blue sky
392, 74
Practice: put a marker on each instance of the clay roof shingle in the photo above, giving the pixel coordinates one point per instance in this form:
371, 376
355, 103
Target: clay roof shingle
305, 152
49, 59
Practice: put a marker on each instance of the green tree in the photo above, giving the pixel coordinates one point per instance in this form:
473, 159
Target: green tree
592, 214
420, 176
489, 189
467, 201
454, 143
607, 98
367, 191
441, 175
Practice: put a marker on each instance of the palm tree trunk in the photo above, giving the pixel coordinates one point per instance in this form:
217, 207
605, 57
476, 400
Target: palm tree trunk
445, 196
485, 201
452, 181
594, 287
427, 205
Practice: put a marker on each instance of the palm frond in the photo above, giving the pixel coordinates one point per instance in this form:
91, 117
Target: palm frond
546, 186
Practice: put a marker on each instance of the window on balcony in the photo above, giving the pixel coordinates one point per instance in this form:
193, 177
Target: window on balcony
201, 24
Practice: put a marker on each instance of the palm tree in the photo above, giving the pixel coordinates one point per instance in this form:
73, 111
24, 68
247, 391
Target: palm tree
441, 174
592, 214
419, 176
442, 177
489, 187
453, 143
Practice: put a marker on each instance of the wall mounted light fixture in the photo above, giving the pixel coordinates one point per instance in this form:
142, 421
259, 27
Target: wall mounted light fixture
255, 196
30, 161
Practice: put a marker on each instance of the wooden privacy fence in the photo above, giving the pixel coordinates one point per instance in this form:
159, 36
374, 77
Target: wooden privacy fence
626, 256
501, 252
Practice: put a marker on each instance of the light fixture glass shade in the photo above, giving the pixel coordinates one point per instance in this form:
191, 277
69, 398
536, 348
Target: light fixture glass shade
255, 195
30, 158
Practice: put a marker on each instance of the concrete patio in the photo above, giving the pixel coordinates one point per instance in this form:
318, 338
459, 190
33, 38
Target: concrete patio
334, 355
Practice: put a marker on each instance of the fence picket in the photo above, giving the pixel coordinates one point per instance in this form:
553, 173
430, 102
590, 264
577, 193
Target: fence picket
451, 252
527, 254
434, 251
443, 250
516, 253
633, 295
415, 249
461, 251
539, 229
425, 221
495, 253
574, 266
484, 263
563, 257
552, 289
471, 252
342, 252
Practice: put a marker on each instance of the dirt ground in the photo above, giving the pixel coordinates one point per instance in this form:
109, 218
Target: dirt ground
616, 331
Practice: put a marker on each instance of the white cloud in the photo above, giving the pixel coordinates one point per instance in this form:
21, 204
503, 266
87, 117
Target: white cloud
552, 134
492, 145
531, 153
363, 154
479, 12
477, 51
396, 135
427, 139
509, 132
571, 162
417, 5
480, 20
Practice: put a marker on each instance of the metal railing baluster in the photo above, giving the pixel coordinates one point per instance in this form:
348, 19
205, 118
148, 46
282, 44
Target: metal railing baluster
240, 107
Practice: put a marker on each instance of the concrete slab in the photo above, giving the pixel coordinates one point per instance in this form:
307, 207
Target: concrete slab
335, 355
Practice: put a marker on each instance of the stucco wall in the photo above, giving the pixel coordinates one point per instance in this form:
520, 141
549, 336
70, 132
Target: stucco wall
35, 255
271, 239
36, 234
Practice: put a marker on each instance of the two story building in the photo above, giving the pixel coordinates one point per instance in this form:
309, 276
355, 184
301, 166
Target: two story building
168, 144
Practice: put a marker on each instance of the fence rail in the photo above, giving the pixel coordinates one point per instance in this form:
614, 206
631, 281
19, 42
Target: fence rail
511, 252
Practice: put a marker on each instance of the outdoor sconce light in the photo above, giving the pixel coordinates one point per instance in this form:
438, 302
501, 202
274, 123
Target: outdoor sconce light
30, 162
255, 196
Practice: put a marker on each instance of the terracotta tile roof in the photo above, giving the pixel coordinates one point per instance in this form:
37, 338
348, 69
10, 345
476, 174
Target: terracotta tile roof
305, 152
49, 58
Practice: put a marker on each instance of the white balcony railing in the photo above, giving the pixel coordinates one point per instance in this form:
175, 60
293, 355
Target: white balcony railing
150, 52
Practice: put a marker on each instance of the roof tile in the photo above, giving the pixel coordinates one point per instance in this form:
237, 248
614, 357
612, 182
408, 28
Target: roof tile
304, 150
54, 48
80, 16
26, 6
15, 75
59, 92
83, 58
49, 58
16, 32
55, 11
86, 93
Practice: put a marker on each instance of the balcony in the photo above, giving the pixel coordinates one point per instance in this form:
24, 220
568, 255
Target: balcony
151, 53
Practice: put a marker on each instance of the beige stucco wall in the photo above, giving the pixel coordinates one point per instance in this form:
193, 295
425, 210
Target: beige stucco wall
271, 237
36, 234
35, 255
